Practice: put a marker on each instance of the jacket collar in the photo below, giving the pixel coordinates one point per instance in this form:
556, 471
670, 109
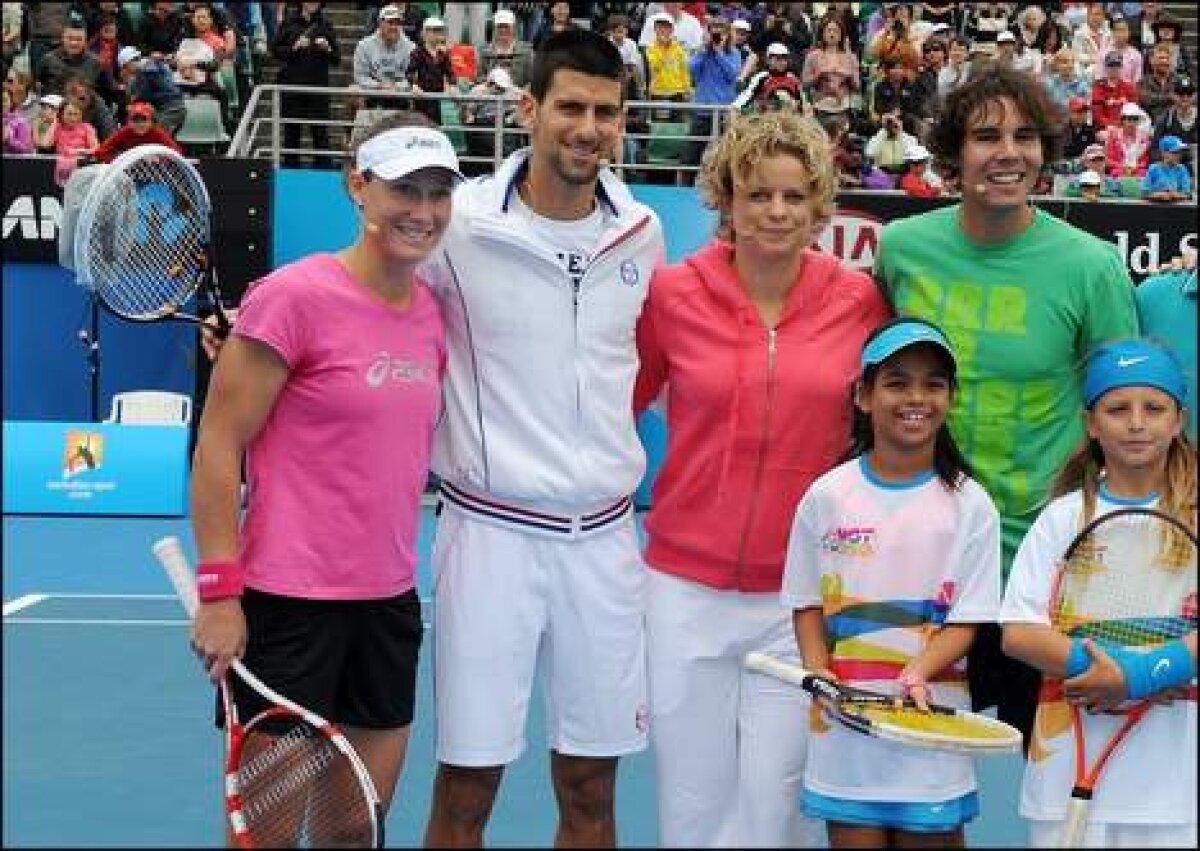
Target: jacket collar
613, 196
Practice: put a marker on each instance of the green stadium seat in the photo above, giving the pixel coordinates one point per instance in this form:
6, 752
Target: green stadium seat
135, 12
1131, 187
202, 125
666, 145
228, 77
452, 126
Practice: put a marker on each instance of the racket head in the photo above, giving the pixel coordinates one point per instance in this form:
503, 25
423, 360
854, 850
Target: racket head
143, 235
316, 765
1128, 578
938, 728
293, 780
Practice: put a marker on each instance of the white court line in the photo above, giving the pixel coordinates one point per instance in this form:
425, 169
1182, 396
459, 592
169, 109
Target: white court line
95, 622
23, 602
71, 595
112, 622
29, 600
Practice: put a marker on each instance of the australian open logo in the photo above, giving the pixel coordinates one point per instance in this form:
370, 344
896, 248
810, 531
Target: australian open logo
385, 367
629, 273
83, 451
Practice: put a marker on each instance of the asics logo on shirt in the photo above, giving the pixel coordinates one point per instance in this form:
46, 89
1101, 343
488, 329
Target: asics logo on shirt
386, 368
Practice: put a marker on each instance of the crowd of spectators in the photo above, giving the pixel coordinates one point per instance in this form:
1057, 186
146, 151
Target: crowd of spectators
81, 74
873, 74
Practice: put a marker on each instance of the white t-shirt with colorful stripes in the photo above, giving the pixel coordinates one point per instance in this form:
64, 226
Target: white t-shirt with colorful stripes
889, 564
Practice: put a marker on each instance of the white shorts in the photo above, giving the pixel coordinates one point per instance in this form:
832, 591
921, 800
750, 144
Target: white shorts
729, 743
509, 606
1044, 834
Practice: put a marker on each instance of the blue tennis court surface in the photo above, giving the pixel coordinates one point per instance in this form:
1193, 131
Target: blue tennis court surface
108, 736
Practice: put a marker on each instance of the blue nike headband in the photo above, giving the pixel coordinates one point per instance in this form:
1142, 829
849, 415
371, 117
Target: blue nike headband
1133, 363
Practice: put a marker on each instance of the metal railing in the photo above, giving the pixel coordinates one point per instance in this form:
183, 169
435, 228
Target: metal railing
664, 141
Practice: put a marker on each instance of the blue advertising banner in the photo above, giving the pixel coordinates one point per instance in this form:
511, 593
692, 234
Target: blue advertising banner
95, 468
1145, 234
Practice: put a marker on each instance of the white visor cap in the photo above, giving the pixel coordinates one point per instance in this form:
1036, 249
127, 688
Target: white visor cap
396, 153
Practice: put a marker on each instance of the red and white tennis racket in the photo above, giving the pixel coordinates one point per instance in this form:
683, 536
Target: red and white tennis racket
292, 779
1128, 580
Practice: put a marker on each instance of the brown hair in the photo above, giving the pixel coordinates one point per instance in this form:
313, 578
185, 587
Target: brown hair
1082, 472
967, 102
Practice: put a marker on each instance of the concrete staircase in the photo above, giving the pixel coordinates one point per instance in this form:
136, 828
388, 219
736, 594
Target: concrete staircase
350, 24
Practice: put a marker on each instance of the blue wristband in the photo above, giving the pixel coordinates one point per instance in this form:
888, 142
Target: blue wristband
1166, 666
1078, 659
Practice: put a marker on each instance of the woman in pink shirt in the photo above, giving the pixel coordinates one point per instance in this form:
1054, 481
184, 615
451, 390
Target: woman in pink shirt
755, 343
1132, 62
329, 388
830, 68
204, 27
73, 138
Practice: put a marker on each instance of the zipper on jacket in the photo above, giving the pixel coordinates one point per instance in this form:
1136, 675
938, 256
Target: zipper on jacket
577, 287
752, 512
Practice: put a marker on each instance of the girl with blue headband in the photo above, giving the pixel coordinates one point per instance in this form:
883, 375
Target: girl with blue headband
893, 563
1135, 454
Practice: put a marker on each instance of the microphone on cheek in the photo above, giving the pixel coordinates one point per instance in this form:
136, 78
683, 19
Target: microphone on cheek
980, 188
368, 225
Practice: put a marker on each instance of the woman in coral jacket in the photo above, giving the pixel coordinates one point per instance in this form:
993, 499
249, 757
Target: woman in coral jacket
753, 343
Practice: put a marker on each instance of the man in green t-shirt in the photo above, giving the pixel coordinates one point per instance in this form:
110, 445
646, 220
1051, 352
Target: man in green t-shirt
1023, 297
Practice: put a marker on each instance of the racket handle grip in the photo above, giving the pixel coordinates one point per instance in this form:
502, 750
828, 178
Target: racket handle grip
1074, 823
757, 661
169, 552
223, 327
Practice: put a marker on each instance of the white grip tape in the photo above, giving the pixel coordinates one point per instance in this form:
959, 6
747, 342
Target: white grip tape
761, 662
169, 552
1074, 824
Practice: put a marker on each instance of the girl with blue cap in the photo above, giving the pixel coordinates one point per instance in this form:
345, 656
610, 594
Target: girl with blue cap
893, 563
1136, 453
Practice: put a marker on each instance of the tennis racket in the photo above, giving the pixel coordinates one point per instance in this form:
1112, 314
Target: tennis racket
873, 714
141, 241
1127, 579
292, 779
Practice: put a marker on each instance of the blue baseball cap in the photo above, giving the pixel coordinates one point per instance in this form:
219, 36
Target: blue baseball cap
1170, 144
901, 334
1132, 363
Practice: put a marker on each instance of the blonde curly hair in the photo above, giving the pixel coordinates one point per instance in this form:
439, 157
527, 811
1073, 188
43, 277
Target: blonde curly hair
751, 138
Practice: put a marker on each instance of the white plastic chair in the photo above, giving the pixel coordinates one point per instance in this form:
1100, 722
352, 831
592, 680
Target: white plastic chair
150, 407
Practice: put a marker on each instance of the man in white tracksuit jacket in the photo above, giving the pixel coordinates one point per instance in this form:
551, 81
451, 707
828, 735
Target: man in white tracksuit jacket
542, 275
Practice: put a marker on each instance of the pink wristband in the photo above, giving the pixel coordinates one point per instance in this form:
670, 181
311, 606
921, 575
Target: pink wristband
218, 580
